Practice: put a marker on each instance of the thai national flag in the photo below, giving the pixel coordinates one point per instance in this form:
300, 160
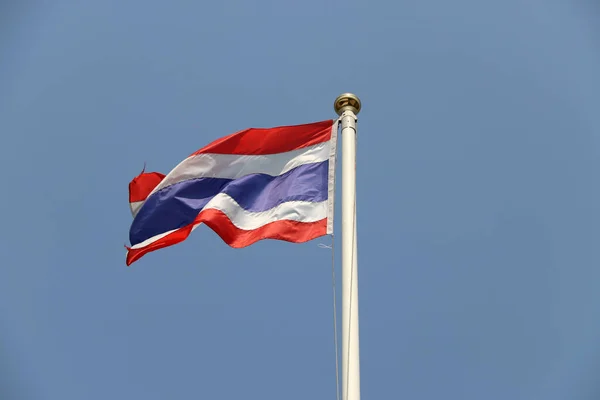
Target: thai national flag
274, 183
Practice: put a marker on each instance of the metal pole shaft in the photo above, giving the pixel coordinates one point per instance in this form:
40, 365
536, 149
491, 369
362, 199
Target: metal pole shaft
350, 327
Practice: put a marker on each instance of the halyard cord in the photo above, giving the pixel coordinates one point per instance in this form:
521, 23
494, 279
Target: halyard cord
350, 310
335, 334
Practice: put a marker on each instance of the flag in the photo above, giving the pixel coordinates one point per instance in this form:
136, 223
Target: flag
259, 183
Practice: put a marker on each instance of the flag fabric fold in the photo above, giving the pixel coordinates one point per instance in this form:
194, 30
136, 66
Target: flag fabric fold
259, 183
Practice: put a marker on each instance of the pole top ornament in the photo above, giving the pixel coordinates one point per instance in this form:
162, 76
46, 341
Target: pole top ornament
347, 102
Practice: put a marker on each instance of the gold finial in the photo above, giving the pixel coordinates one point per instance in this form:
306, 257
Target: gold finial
346, 101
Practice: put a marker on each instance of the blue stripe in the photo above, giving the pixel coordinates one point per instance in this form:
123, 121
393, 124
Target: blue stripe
178, 205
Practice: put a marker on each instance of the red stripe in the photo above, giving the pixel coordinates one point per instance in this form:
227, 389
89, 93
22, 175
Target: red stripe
261, 141
289, 231
141, 186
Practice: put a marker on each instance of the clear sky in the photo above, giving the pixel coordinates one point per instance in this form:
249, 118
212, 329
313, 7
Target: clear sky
478, 198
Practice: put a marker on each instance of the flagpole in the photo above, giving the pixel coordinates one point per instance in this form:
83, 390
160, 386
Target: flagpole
347, 106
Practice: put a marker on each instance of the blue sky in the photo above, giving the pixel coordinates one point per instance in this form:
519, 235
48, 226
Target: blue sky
478, 200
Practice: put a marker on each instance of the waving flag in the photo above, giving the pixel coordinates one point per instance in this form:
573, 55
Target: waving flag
274, 183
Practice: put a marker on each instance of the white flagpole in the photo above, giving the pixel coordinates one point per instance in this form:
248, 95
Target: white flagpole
347, 106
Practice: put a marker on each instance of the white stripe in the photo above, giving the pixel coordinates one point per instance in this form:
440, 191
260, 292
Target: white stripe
152, 239
233, 166
135, 207
157, 237
300, 211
